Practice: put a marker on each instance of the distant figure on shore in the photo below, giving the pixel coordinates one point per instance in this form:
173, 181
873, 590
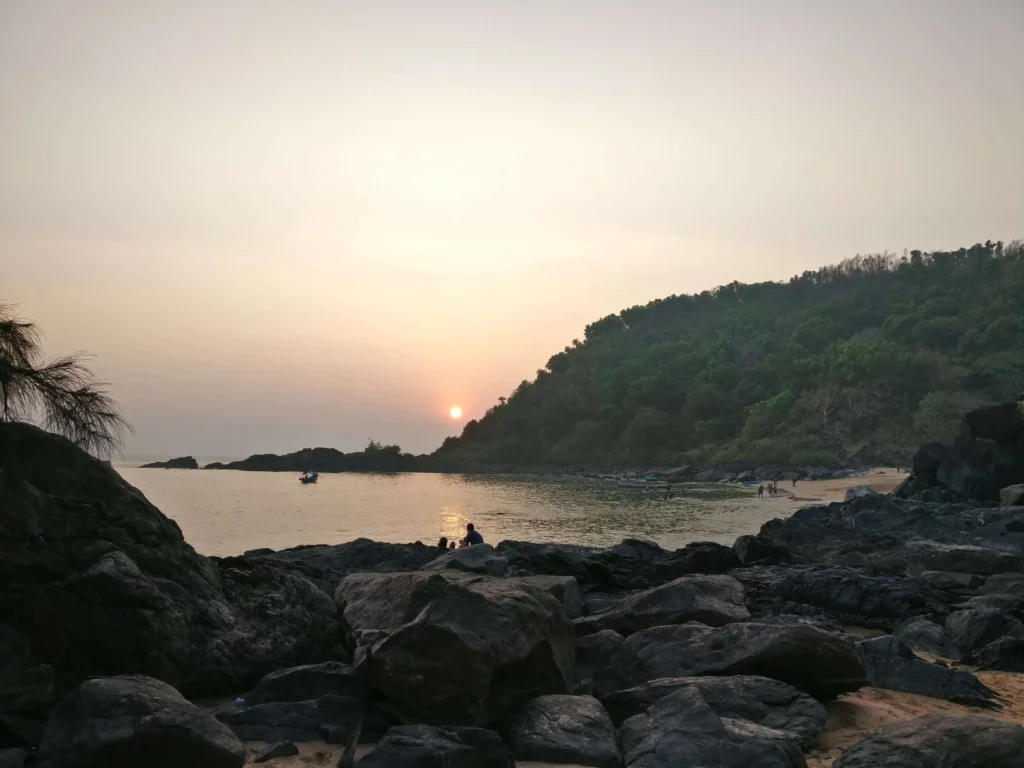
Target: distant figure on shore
668, 491
472, 536
794, 482
760, 491
443, 543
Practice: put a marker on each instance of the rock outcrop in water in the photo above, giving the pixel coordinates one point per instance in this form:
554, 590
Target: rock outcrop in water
183, 462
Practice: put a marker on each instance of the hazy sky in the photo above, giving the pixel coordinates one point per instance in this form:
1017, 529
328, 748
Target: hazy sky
286, 223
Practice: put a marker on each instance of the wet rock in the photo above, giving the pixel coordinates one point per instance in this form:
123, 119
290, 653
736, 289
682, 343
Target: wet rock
124, 722
479, 558
307, 682
470, 648
564, 589
1005, 654
926, 636
425, 746
816, 662
592, 654
682, 729
860, 491
274, 751
980, 468
890, 664
565, 729
760, 700
964, 741
711, 600
951, 581
1003, 583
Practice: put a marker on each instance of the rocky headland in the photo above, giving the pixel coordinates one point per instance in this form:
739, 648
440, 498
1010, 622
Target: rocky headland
112, 626
182, 462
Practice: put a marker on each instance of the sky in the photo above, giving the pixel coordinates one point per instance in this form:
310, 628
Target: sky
278, 224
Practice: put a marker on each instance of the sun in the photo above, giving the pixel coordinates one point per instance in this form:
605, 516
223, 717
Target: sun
456, 412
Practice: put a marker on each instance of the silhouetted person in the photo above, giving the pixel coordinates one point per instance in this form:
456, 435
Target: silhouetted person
794, 482
451, 545
472, 536
760, 491
443, 543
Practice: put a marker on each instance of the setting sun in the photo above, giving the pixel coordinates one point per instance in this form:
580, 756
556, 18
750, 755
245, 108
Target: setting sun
456, 412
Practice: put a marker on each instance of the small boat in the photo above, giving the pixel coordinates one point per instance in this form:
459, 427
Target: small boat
309, 477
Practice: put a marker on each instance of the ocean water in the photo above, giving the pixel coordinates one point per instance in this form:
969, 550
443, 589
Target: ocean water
225, 512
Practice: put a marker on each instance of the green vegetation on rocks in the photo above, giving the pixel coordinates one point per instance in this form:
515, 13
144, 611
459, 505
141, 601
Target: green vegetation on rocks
860, 361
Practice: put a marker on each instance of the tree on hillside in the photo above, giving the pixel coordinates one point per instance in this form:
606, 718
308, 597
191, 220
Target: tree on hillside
60, 393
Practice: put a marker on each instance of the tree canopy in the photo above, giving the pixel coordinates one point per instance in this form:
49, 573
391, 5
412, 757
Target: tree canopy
876, 353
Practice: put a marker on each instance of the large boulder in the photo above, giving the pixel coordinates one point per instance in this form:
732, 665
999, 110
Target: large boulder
812, 660
564, 589
760, 700
102, 583
327, 564
128, 721
310, 681
926, 636
1012, 496
329, 718
462, 649
760, 550
479, 558
890, 664
850, 595
681, 729
13, 758
711, 600
975, 627
565, 729
980, 468
938, 741
425, 746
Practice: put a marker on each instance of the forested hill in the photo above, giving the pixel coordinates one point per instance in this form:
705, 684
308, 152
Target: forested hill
872, 355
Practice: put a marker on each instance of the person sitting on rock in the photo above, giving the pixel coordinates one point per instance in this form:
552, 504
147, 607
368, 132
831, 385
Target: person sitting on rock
443, 543
451, 545
472, 536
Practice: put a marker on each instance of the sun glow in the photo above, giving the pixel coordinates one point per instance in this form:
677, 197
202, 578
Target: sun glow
455, 412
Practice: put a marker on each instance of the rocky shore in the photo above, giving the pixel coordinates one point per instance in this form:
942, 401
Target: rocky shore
111, 626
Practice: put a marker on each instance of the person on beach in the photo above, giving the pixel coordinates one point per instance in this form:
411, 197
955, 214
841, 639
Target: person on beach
760, 491
794, 482
472, 536
443, 543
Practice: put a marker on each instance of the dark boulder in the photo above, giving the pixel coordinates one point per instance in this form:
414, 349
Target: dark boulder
973, 628
760, 550
479, 558
183, 462
564, 589
854, 596
102, 583
274, 751
980, 468
1003, 583
812, 660
1005, 654
926, 636
928, 458
302, 721
938, 741
681, 729
890, 664
565, 729
711, 600
12, 758
125, 722
307, 682
760, 700
1002, 423
328, 564
592, 654
425, 746
465, 648
1012, 496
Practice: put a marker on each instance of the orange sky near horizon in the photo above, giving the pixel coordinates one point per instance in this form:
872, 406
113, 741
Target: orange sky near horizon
280, 225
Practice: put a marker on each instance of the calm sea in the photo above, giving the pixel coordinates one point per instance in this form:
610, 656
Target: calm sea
227, 512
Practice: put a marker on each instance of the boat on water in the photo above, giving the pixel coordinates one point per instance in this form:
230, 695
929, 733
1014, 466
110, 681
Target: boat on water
308, 477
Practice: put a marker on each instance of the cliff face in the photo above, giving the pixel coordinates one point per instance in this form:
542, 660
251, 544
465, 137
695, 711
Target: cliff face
97, 581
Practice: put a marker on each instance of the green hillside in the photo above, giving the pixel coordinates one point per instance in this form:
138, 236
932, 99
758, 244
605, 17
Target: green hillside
877, 353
